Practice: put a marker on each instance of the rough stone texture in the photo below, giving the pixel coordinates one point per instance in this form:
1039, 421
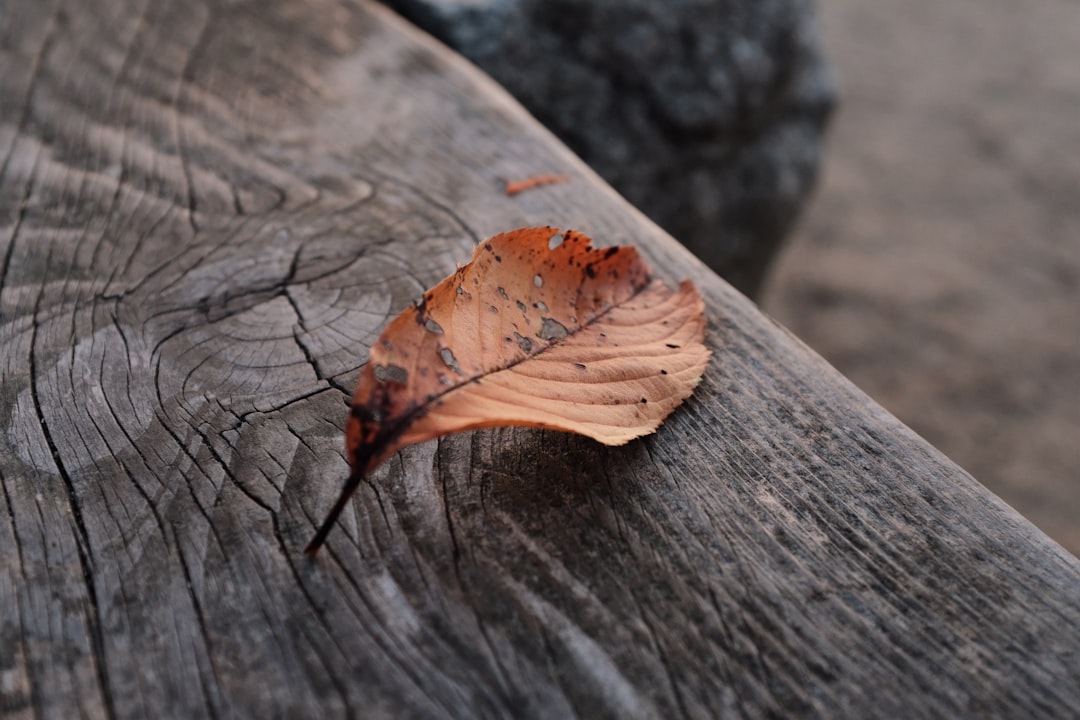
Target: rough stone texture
705, 114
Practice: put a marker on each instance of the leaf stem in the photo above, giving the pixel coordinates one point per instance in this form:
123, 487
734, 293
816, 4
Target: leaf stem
346, 492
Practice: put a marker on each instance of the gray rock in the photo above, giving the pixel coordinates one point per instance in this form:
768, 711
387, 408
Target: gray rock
708, 115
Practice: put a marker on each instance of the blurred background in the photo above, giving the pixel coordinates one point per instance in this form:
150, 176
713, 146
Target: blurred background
938, 264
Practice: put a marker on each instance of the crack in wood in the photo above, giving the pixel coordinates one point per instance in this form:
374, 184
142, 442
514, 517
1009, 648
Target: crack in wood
82, 544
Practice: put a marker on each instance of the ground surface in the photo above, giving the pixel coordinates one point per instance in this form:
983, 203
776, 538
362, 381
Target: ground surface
939, 265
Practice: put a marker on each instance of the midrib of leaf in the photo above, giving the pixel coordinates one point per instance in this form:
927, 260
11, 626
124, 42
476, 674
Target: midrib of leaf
420, 410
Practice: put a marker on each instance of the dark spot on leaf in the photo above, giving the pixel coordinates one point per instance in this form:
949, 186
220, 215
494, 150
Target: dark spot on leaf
590, 271
663, 372
552, 330
393, 373
502, 292
498, 258
610, 251
673, 347
487, 246
493, 309
643, 401
579, 366
541, 306
521, 306
447, 356
364, 414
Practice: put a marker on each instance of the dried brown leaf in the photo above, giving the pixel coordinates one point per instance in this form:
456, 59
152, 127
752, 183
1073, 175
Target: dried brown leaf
539, 329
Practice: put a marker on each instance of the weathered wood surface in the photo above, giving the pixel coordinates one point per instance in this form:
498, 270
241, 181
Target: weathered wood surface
207, 210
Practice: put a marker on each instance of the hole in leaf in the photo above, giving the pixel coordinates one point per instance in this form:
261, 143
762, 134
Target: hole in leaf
552, 330
523, 342
451, 362
393, 373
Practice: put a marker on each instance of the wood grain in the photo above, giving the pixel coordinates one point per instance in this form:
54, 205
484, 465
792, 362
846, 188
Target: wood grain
207, 213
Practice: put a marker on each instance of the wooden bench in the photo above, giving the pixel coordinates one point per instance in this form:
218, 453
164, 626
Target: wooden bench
208, 211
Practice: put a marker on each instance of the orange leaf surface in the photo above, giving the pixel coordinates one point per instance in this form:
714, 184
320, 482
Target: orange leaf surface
539, 329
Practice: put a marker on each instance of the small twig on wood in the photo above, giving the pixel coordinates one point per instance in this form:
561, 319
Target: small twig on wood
513, 187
